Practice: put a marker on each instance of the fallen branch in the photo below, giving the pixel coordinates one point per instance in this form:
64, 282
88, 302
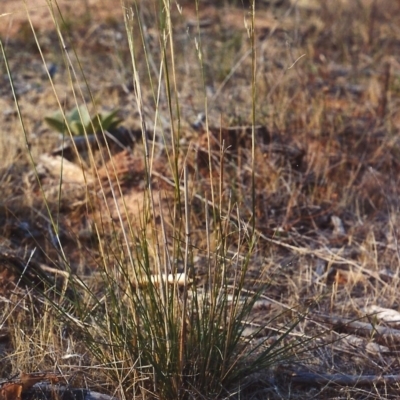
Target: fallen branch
310, 378
381, 334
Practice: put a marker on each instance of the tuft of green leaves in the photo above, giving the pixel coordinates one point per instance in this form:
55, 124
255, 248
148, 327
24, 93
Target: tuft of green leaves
79, 123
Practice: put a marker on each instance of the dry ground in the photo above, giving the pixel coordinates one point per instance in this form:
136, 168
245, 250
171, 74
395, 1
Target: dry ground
326, 177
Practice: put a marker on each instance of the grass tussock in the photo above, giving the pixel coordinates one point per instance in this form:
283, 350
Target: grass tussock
225, 236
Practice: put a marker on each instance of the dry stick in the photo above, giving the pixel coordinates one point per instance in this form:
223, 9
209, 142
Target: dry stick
310, 378
381, 334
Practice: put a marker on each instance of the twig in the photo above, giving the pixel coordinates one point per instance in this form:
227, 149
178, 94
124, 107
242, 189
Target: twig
311, 378
381, 334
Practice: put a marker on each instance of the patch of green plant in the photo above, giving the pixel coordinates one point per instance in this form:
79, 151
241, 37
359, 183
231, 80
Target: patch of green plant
79, 122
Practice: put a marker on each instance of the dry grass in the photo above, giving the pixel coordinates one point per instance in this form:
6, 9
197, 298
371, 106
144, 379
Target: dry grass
326, 175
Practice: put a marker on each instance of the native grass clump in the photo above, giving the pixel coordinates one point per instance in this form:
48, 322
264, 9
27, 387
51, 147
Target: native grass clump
236, 237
